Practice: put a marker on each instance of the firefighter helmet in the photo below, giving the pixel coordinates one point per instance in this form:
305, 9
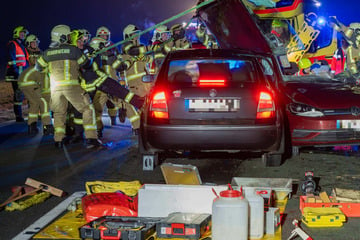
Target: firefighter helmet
18, 30
31, 38
75, 36
97, 43
60, 33
305, 63
159, 33
87, 35
103, 31
129, 30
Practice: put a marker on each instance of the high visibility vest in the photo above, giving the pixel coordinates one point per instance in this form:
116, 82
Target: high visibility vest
21, 56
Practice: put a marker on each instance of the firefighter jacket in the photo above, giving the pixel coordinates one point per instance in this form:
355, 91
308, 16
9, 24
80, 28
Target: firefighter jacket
31, 77
18, 59
179, 44
338, 61
135, 68
63, 64
107, 59
352, 59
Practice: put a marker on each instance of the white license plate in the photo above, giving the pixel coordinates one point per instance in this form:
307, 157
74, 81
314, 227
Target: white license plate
213, 105
351, 124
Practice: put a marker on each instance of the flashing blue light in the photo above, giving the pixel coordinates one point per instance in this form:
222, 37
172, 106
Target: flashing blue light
321, 21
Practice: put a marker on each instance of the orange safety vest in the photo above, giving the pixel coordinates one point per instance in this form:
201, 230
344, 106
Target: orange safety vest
21, 56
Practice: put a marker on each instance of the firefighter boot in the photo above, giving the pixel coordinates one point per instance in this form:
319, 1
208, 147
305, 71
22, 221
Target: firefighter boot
100, 133
33, 129
48, 129
122, 114
59, 144
93, 143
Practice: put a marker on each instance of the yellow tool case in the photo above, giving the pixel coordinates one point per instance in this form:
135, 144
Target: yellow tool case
323, 217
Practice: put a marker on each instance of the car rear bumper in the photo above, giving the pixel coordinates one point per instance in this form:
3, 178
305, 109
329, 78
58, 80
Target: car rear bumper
212, 137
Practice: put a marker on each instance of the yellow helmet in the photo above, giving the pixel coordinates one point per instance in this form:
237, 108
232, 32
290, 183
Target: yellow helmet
278, 23
305, 63
60, 33
75, 36
18, 30
97, 43
130, 30
31, 38
103, 31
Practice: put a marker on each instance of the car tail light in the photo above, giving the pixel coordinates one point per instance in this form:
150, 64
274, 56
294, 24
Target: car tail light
266, 106
158, 106
211, 82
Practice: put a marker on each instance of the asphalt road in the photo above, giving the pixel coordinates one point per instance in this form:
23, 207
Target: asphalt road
22, 156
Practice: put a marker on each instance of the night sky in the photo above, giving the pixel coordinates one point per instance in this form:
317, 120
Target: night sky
39, 17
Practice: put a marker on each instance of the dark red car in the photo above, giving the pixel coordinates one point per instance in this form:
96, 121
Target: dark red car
320, 111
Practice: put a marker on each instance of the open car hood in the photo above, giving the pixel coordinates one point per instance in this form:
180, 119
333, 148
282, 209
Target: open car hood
233, 26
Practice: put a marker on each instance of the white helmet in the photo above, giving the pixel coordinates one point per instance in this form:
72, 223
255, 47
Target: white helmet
159, 31
31, 38
60, 33
87, 35
103, 31
97, 43
129, 30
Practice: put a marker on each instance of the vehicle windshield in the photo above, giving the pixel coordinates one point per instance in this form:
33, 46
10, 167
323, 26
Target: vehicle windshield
191, 72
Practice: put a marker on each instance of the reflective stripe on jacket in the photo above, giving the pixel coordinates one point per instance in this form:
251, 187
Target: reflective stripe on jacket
21, 56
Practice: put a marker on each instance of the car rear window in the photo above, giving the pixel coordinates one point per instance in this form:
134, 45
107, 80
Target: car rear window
194, 72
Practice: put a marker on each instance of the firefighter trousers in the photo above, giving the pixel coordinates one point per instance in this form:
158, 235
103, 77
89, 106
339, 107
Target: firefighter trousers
131, 113
37, 105
60, 97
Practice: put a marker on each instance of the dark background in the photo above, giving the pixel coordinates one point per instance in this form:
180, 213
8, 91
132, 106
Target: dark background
40, 16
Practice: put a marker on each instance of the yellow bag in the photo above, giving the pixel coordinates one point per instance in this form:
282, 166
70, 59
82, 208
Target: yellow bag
129, 188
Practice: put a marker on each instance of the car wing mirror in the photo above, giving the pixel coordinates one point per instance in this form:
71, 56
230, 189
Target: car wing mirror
148, 78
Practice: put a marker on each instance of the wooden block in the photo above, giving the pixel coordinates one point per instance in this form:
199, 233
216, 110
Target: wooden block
318, 199
310, 198
324, 197
347, 195
44, 187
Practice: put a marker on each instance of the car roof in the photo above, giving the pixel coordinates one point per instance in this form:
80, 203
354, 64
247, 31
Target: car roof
205, 53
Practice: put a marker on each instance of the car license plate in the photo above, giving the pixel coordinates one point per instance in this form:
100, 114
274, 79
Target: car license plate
212, 105
351, 124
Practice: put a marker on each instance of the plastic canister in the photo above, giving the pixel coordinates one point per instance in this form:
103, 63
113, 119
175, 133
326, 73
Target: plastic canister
256, 213
230, 216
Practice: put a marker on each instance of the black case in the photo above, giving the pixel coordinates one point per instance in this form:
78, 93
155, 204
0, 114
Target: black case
184, 225
113, 227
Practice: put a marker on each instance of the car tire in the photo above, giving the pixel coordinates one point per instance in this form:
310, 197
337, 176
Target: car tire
272, 160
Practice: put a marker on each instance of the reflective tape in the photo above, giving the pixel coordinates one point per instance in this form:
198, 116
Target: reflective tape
129, 96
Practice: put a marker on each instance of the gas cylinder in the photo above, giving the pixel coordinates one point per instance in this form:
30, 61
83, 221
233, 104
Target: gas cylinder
230, 218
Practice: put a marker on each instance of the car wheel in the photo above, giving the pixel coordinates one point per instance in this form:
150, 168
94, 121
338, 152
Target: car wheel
272, 160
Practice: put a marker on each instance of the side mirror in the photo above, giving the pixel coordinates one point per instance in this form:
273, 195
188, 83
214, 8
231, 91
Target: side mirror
148, 78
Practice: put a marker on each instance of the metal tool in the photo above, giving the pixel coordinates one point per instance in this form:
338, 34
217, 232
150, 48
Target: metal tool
298, 232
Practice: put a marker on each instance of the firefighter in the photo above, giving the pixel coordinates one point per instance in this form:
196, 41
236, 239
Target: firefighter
108, 58
160, 47
30, 83
304, 67
18, 61
96, 80
179, 40
134, 52
279, 32
205, 38
62, 62
353, 53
